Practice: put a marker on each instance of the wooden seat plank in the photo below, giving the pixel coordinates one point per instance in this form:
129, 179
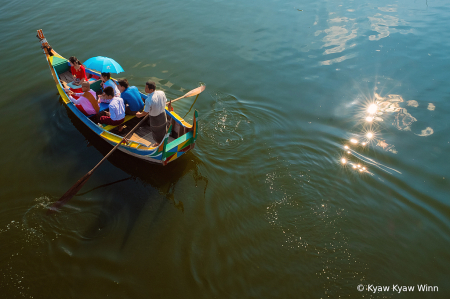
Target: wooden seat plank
110, 127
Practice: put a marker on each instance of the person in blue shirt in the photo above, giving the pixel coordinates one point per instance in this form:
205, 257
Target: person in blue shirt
131, 97
106, 81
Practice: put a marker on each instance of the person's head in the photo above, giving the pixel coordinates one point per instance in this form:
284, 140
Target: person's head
85, 86
122, 85
106, 77
74, 62
109, 92
150, 86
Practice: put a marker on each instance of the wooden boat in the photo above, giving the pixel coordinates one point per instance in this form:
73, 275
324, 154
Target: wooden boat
180, 137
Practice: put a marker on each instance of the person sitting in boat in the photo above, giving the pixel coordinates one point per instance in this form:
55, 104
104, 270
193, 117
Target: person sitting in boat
78, 71
116, 114
106, 81
131, 97
87, 101
155, 105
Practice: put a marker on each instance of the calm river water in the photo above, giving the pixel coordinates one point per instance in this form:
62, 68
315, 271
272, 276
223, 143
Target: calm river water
322, 161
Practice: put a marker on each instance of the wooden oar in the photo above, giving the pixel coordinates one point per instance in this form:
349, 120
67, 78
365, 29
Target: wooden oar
78, 185
192, 93
191, 106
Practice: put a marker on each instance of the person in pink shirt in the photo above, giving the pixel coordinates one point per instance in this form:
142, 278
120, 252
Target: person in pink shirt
87, 101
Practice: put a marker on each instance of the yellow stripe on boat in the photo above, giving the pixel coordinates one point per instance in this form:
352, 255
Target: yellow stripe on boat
180, 146
111, 137
173, 114
110, 127
63, 94
173, 158
133, 144
116, 139
143, 147
57, 55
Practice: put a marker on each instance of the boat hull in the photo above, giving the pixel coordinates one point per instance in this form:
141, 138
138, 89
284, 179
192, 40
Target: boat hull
165, 152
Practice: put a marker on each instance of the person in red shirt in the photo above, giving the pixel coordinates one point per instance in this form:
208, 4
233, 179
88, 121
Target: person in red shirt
78, 71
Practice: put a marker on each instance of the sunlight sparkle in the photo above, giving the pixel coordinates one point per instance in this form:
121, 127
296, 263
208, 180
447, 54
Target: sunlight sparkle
372, 108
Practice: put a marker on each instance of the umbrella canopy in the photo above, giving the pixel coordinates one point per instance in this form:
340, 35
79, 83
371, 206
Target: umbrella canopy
103, 65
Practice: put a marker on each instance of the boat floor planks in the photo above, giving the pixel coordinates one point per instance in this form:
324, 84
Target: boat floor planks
66, 77
143, 134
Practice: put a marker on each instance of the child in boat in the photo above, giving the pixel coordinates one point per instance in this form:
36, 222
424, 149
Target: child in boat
106, 81
87, 101
78, 71
131, 97
116, 114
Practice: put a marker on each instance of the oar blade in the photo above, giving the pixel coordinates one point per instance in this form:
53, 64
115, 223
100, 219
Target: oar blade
191, 93
195, 91
69, 194
78, 185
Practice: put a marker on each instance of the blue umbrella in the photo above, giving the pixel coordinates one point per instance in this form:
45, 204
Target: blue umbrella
103, 65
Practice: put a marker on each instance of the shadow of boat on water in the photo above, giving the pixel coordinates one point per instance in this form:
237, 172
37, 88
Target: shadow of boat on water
160, 180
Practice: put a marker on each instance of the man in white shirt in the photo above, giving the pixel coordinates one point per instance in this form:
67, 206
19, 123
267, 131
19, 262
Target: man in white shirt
116, 114
155, 106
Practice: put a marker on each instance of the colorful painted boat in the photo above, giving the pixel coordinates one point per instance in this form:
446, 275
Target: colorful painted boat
179, 139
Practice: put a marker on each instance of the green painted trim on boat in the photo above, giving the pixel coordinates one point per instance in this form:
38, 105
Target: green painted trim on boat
178, 141
58, 60
61, 67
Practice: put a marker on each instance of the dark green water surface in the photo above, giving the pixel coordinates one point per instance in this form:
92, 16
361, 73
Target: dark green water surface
296, 188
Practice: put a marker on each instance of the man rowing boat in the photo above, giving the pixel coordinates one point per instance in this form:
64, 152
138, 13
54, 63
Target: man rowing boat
155, 105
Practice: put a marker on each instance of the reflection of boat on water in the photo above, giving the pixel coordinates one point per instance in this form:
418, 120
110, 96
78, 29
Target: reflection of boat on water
179, 139
163, 179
